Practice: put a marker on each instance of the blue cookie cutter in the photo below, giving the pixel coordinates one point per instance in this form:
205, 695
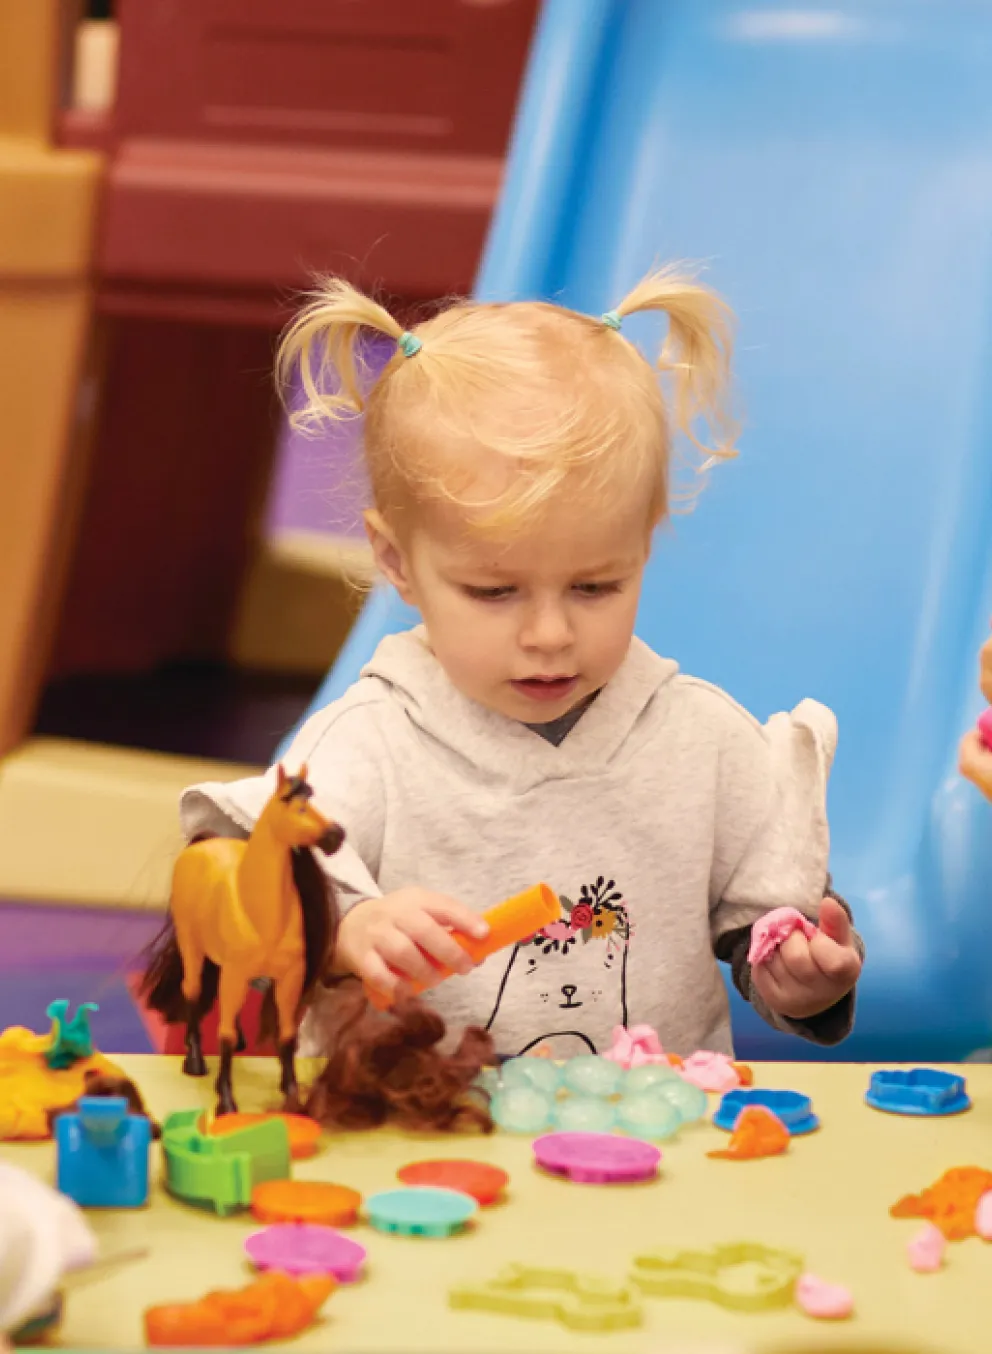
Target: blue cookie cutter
921, 1091
102, 1153
793, 1108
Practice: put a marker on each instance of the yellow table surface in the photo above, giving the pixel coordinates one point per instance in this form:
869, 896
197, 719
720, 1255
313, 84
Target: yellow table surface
828, 1197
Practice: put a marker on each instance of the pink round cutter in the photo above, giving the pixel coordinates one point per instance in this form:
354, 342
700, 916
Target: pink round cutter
597, 1158
306, 1248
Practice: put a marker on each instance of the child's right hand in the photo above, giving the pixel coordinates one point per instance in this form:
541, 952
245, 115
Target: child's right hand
402, 939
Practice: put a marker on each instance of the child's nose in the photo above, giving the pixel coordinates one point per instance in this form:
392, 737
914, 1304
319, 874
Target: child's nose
547, 629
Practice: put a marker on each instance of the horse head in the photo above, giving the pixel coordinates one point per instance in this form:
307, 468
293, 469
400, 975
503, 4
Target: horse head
295, 820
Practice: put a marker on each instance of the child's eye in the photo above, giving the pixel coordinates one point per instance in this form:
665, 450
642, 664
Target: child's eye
596, 589
488, 594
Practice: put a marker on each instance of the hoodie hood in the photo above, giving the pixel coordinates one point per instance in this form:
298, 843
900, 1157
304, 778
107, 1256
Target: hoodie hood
497, 749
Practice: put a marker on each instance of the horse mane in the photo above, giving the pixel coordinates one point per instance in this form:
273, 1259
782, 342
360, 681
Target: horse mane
388, 1066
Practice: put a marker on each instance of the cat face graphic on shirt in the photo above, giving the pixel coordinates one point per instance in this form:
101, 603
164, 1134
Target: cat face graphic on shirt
568, 983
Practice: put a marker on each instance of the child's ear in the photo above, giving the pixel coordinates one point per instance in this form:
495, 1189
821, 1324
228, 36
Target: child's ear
389, 557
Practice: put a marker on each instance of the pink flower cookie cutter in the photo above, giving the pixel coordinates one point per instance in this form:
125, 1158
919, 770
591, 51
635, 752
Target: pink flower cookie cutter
638, 1046
773, 929
306, 1248
597, 1158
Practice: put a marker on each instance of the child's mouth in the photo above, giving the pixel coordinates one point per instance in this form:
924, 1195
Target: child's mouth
546, 688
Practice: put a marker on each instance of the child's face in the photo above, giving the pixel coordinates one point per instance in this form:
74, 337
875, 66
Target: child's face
529, 627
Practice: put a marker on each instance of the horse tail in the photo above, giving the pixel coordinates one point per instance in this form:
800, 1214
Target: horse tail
268, 1019
162, 980
318, 901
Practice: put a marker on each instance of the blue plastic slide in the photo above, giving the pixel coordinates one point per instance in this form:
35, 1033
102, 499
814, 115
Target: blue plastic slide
832, 167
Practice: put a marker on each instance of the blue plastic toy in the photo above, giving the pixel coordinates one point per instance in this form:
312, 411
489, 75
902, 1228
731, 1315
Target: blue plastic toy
523, 1109
794, 1109
102, 1154
725, 132
923, 1091
540, 1073
649, 1114
72, 1040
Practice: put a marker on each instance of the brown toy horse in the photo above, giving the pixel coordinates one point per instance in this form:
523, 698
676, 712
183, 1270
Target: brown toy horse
241, 910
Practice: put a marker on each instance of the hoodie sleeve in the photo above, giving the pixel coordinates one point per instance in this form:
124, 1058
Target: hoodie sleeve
342, 748
772, 839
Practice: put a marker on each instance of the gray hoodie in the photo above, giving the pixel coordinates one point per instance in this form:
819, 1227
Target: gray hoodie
667, 818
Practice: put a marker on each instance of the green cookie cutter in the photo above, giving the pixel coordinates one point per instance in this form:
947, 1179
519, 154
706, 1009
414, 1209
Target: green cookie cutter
743, 1276
221, 1172
578, 1301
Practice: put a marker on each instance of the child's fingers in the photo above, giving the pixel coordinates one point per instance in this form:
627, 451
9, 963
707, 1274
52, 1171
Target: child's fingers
456, 916
795, 960
377, 975
436, 941
839, 963
834, 922
406, 958
770, 986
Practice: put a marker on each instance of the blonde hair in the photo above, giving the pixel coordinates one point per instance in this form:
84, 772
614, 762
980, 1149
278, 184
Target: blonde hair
540, 395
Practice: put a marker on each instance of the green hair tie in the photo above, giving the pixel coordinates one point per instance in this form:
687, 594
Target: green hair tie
612, 320
408, 344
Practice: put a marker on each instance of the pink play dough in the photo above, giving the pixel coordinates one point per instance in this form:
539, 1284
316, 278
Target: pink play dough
926, 1249
710, 1071
827, 1301
769, 931
637, 1047
983, 1217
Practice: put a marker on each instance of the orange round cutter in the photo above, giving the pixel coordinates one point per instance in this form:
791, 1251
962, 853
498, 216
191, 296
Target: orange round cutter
305, 1201
304, 1133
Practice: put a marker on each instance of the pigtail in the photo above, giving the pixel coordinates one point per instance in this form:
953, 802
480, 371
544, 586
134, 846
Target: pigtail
696, 355
324, 337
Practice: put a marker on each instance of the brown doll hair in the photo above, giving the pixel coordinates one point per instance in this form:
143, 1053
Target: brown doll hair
388, 1066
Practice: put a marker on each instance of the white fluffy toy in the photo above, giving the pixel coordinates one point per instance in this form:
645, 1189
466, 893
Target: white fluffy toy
43, 1237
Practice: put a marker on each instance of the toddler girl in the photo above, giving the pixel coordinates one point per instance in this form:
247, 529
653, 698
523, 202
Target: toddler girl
519, 457
976, 755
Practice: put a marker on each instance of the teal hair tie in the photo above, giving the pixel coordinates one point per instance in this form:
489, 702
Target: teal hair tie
612, 320
408, 344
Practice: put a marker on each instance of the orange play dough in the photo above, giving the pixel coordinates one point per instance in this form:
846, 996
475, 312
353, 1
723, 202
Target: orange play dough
757, 1133
304, 1133
305, 1201
274, 1307
950, 1203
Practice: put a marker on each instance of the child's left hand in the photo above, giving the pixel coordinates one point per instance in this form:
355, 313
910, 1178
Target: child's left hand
805, 977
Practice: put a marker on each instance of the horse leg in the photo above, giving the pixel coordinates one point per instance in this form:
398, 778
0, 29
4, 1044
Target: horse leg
288, 991
192, 980
194, 1064
232, 992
